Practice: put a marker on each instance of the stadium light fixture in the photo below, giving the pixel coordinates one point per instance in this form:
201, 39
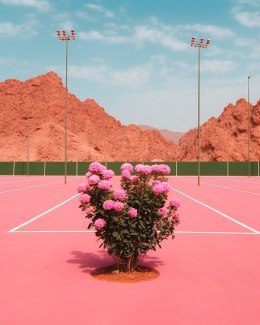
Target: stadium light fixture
65, 36
200, 44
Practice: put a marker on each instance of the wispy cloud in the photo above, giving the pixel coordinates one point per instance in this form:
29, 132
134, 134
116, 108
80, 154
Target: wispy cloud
155, 32
246, 18
249, 2
137, 35
42, 5
218, 66
217, 32
100, 9
9, 30
100, 72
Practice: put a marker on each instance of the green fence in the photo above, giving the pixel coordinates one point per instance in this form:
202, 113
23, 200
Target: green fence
216, 168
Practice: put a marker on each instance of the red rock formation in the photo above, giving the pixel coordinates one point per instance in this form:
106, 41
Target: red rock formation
32, 116
167, 134
225, 138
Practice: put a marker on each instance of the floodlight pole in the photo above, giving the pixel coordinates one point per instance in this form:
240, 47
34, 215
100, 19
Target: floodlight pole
200, 44
249, 116
64, 36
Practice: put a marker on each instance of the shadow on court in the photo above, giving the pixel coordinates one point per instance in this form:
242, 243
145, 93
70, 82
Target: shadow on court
88, 262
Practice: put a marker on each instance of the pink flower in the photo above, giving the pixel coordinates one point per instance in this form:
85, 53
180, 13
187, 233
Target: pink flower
93, 179
132, 213
161, 169
84, 198
127, 166
108, 173
160, 188
166, 186
120, 195
108, 204
175, 203
118, 206
99, 224
143, 169
162, 212
104, 185
96, 167
83, 187
175, 216
126, 174
135, 179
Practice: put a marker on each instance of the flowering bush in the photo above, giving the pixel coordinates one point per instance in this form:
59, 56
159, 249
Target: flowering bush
133, 219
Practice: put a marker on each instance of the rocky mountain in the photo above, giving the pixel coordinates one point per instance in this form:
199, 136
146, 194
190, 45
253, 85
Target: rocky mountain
226, 138
170, 135
32, 127
32, 123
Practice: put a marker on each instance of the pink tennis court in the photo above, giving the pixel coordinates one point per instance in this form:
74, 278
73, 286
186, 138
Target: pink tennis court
209, 274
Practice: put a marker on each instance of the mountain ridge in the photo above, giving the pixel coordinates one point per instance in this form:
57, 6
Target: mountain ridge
32, 126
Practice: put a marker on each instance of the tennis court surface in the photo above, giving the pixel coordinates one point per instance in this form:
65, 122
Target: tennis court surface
209, 274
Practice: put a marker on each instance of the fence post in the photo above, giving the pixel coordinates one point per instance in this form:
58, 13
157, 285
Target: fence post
76, 168
13, 168
227, 168
44, 168
176, 169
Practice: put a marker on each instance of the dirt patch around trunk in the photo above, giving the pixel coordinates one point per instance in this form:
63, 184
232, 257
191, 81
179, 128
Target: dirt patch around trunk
111, 273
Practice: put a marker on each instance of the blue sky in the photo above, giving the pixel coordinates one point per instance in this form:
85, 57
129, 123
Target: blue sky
134, 56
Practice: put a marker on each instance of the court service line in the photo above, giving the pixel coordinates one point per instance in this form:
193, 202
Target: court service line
43, 214
26, 188
217, 211
176, 232
25, 179
229, 188
232, 189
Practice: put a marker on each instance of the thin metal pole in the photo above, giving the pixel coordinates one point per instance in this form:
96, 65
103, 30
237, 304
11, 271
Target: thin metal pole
199, 44
198, 116
65, 113
249, 116
28, 144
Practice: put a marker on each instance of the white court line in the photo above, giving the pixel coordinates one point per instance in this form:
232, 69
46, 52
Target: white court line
43, 214
54, 231
218, 232
26, 188
232, 189
229, 188
217, 211
176, 232
25, 179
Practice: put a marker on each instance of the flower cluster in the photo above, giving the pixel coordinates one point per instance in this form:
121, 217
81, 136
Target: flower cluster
134, 218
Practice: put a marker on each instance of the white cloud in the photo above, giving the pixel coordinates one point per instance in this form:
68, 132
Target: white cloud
210, 30
9, 30
249, 2
67, 25
84, 15
111, 38
38, 4
244, 42
218, 66
145, 33
246, 18
100, 72
155, 32
138, 35
100, 9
